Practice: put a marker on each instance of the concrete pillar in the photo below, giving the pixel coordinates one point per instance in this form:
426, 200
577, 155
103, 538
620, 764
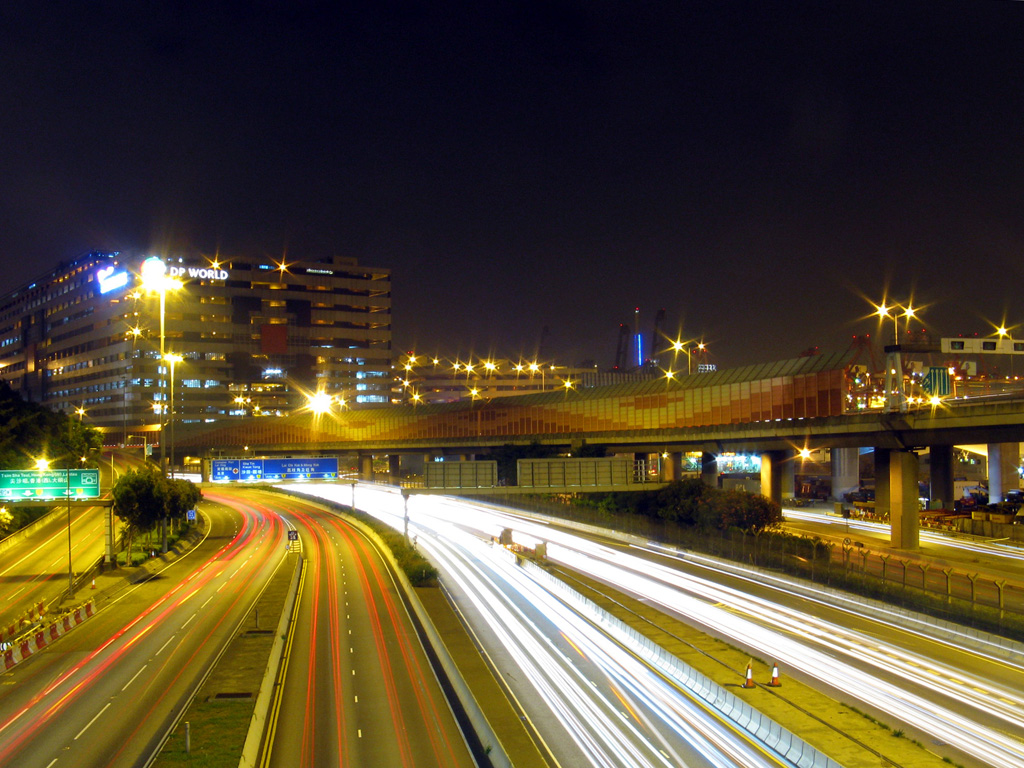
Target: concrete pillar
366, 467
709, 469
672, 467
778, 475
845, 471
788, 473
904, 511
1003, 460
394, 468
882, 481
940, 460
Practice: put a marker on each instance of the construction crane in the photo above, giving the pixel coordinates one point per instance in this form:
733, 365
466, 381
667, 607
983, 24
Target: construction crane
622, 349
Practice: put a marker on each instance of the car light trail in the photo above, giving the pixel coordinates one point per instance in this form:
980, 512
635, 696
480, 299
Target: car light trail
616, 708
795, 638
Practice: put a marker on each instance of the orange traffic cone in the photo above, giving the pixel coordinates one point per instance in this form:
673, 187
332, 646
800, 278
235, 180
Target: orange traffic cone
775, 676
749, 681
94, 583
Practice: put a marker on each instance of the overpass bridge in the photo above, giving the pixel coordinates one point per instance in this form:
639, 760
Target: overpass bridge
774, 409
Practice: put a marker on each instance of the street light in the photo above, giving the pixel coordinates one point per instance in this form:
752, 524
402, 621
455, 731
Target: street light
681, 346
173, 359
43, 466
155, 280
895, 397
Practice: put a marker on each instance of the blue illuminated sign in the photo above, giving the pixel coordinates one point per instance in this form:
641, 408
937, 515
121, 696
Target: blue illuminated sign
227, 470
111, 280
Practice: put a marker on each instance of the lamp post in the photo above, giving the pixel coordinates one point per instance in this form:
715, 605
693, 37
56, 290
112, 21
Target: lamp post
43, 465
155, 280
895, 397
173, 359
680, 346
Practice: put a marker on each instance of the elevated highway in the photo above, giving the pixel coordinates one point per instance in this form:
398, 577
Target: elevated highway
774, 409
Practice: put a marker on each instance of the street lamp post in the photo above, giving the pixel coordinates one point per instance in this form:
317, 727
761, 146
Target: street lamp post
680, 346
895, 397
173, 360
43, 465
155, 279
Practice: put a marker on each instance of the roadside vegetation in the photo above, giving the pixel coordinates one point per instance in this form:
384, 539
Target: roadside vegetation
29, 432
143, 498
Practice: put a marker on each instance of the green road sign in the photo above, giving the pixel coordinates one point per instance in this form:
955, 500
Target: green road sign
31, 484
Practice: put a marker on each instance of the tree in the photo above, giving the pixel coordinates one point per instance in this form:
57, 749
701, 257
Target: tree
180, 497
29, 431
736, 508
140, 501
680, 500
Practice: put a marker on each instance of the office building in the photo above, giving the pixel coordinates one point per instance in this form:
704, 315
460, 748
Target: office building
255, 337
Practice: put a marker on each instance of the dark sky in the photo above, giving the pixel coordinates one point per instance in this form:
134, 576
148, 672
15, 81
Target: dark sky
757, 169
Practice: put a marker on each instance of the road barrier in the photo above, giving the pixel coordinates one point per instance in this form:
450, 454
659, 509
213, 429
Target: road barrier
258, 722
35, 640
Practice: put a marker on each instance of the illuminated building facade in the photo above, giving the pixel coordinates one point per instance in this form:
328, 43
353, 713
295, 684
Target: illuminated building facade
256, 337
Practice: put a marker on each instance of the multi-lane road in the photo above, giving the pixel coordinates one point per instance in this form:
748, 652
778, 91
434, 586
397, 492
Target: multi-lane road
107, 693
958, 693
359, 689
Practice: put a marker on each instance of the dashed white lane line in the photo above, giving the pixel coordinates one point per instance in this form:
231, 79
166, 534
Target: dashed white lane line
51, 763
94, 719
189, 621
134, 676
169, 641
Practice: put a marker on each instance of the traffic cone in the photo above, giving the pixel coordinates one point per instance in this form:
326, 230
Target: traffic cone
749, 681
775, 676
93, 583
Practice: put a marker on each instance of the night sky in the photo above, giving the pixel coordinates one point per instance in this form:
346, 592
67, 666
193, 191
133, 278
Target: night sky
760, 170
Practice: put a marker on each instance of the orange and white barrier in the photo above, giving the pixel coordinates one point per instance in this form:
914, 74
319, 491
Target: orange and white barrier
36, 639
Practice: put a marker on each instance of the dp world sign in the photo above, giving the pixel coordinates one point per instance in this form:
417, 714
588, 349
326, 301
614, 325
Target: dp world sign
32, 485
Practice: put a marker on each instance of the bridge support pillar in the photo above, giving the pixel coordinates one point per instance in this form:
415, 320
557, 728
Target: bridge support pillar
882, 482
709, 469
940, 460
672, 467
845, 471
1003, 459
904, 509
366, 467
394, 468
778, 475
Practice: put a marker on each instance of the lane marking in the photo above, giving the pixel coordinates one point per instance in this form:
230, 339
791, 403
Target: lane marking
134, 676
189, 621
95, 717
164, 646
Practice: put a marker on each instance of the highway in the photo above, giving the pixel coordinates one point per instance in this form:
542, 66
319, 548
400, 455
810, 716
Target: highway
993, 561
35, 569
107, 693
590, 697
953, 691
358, 688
